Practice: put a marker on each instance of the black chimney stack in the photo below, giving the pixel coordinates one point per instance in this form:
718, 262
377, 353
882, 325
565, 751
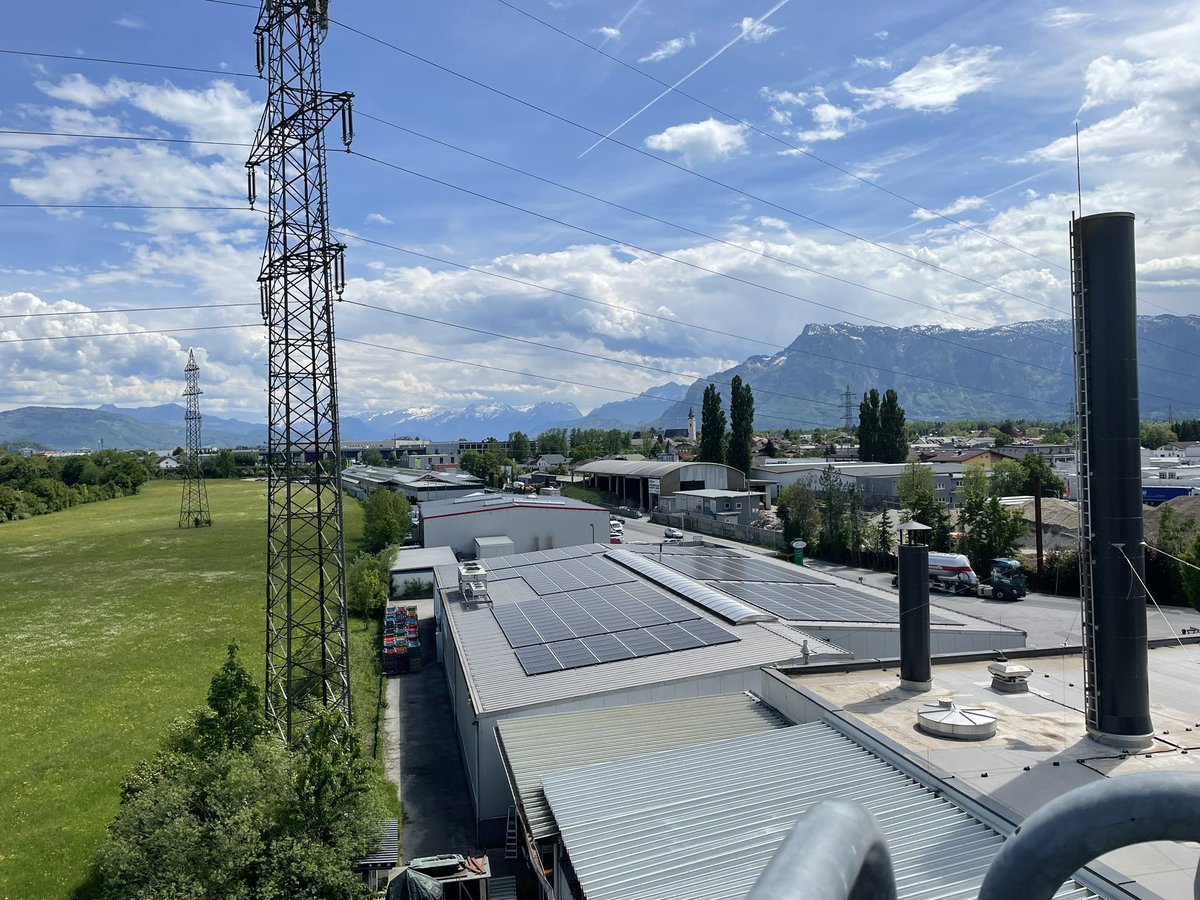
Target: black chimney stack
1112, 560
912, 577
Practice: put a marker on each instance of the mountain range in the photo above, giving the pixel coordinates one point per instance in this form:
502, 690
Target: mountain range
1021, 370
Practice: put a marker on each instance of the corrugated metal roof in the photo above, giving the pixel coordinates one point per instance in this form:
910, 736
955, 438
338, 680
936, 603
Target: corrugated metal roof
704, 821
498, 682
387, 852
535, 746
432, 509
637, 468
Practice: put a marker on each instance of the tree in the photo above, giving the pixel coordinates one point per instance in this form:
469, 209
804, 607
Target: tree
386, 519
769, 449
712, 427
741, 425
372, 457
1008, 479
1191, 576
552, 440
883, 538
367, 579
226, 810
868, 426
893, 435
614, 441
518, 446
797, 508
1157, 434
916, 491
999, 438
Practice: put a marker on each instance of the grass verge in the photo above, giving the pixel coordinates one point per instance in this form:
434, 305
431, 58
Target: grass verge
113, 622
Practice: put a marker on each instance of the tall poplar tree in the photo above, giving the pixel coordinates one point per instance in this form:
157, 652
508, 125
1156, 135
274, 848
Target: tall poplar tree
893, 435
741, 425
868, 427
712, 427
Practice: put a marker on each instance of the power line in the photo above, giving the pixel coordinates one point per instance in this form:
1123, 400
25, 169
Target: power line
126, 62
130, 206
583, 353
676, 225
148, 332
124, 137
131, 309
681, 168
774, 137
682, 262
680, 322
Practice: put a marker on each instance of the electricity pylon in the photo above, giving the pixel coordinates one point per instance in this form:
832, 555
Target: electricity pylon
307, 660
193, 508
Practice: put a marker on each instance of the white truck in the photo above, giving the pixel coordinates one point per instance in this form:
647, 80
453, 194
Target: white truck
952, 572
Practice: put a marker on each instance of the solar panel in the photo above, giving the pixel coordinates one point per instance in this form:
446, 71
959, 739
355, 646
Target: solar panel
731, 610
739, 569
675, 637
537, 660
642, 642
607, 647
822, 603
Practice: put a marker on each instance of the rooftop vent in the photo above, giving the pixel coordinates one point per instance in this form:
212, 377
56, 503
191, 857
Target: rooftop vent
945, 718
1010, 677
472, 582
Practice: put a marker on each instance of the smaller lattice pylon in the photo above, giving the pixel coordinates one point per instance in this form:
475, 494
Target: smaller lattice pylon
193, 508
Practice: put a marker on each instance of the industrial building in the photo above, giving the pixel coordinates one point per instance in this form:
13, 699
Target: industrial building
640, 484
482, 525
878, 481
600, 626
726, 506
417, 486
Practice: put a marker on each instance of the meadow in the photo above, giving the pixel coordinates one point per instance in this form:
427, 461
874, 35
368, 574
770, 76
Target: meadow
112, 621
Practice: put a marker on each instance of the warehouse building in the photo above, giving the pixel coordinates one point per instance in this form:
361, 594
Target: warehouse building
640, 484
482, 525
879, 482
418, 486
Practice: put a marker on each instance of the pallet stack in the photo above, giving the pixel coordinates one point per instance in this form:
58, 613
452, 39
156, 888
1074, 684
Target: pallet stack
401, 641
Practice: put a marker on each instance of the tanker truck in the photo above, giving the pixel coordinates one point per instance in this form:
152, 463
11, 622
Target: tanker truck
952, 573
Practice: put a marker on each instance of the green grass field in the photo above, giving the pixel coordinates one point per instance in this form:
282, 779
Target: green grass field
112, 622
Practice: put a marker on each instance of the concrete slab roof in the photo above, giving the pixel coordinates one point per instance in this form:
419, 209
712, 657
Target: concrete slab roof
422, 558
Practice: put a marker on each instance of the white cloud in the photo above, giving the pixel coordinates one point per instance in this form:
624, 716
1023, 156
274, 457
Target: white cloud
700, 141
881, 35
378, 219
754, 31
832, 122
130, 22
959, 206
670, 48
1065, 17
789, 98
935, 83
874, 62
608, 32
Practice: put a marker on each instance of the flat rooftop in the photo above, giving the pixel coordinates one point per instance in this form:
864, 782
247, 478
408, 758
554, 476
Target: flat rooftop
1040, 749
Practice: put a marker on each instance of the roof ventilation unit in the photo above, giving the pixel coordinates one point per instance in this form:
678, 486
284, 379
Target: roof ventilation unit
945, 718
1010, 677
472, 583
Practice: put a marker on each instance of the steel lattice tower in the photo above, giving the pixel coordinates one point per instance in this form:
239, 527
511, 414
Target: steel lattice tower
193, 508
307, 660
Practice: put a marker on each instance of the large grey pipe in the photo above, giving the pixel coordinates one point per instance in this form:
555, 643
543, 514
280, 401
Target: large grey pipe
912, 578
1107, 298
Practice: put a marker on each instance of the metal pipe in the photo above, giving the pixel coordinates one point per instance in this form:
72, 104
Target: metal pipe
912, 578
835, 851
1081, 825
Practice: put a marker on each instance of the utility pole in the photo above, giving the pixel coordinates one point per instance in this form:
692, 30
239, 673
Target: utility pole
193, 508
848, 410
307, 660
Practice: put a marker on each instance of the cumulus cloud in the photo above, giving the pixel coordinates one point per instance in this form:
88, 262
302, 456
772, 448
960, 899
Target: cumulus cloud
700, 141
830, 123
670, 48
608, 32
788, 98
958, 207
874, 62
935, 83
754, 31
1064, 17
378, 219
130, 22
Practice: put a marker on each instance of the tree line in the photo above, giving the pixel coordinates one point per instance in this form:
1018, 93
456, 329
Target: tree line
34, 485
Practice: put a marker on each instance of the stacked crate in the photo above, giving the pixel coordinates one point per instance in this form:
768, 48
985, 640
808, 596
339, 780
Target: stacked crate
401, 640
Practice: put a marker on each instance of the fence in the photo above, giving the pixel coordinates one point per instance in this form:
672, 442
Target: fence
716, 528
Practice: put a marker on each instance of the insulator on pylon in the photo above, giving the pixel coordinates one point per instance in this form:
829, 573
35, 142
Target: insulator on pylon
347, 123
251, 188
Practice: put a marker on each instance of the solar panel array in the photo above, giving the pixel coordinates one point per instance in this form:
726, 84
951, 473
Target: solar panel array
535, 557
684, 550
739, 569
538, 659
604, 624
821, 603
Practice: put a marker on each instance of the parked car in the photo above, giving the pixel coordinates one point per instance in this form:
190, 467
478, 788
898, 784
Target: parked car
616, 528
673, 533
613, 517
629, 511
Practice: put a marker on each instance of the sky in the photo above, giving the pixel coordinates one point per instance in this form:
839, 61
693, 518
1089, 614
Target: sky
611, 193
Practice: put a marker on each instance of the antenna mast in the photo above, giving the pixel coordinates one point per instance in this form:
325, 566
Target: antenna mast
193, 508
307, 662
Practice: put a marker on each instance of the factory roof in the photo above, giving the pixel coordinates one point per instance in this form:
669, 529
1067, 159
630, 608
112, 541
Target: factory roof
499, 677
638, 468
417, 559
706, 819
535, 746
483, 502
1041, 748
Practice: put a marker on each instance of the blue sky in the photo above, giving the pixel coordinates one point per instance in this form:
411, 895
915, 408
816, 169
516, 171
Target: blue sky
917, 112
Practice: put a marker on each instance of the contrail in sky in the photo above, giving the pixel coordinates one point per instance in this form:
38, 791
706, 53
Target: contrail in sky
745, 31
